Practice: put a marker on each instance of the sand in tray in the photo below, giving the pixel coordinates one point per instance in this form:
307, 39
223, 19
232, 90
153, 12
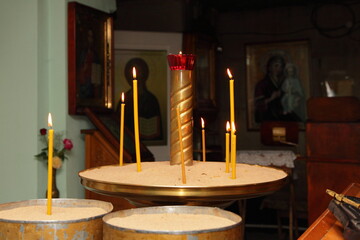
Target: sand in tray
38, 213
209, 174
170, 222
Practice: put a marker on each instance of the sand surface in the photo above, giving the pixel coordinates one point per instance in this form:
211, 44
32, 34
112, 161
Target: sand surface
170, 222
38, 213
210, 174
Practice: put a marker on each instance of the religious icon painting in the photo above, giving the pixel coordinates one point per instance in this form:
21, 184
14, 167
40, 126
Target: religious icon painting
277, 77
151, 75
90, 57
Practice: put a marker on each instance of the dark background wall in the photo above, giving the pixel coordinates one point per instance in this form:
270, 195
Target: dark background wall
333, 53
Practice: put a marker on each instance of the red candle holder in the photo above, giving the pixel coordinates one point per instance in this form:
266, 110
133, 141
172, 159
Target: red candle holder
181, 61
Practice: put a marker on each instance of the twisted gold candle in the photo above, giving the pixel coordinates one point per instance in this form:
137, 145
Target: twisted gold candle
181, 96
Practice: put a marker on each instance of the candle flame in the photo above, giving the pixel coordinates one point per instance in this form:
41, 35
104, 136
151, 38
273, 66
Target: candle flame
49, 120
228, 126
134, 72
122, 97
202, 123
233, 127
229, 73
180, 52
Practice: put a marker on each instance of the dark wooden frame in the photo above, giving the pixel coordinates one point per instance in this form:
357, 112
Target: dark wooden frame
88, 25
204, 47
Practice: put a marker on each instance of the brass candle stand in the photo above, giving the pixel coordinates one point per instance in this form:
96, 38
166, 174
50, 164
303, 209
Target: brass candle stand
160, 194
181, 96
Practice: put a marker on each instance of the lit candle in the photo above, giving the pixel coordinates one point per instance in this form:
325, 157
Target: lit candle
122, 129
136, 122
233, 151
50, 164
181, 146
232, 114
203, 140
227, 146
231, 82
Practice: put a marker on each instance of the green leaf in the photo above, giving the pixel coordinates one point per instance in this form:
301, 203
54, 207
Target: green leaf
41, 155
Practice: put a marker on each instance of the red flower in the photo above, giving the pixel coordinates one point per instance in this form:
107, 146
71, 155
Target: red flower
68, 145
43, 131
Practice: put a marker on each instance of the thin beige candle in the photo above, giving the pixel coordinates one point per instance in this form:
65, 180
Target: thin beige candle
121, 153
227, 147
233, 151
136, 122
50, 165
183, 175
203, 140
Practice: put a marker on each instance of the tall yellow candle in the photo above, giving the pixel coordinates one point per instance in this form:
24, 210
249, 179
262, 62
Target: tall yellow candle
183, 175
233, 151
231, 88
50, 165
203, 140
227, 147
232, 106
121, 153
136, 122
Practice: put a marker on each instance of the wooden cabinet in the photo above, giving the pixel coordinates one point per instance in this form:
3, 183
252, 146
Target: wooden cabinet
204, 45
99, 152
102, 148
333, 161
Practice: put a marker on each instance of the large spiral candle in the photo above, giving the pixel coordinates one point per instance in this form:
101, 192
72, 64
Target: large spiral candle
181, 96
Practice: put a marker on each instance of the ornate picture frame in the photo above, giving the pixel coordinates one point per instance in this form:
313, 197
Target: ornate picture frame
277, 81
90, 59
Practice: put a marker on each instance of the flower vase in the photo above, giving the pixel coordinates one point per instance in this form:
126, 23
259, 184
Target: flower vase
55, 191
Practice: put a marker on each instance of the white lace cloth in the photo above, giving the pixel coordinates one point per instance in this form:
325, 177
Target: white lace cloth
267, 157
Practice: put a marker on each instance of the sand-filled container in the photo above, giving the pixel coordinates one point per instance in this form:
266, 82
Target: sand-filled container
74, 219
172, 223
